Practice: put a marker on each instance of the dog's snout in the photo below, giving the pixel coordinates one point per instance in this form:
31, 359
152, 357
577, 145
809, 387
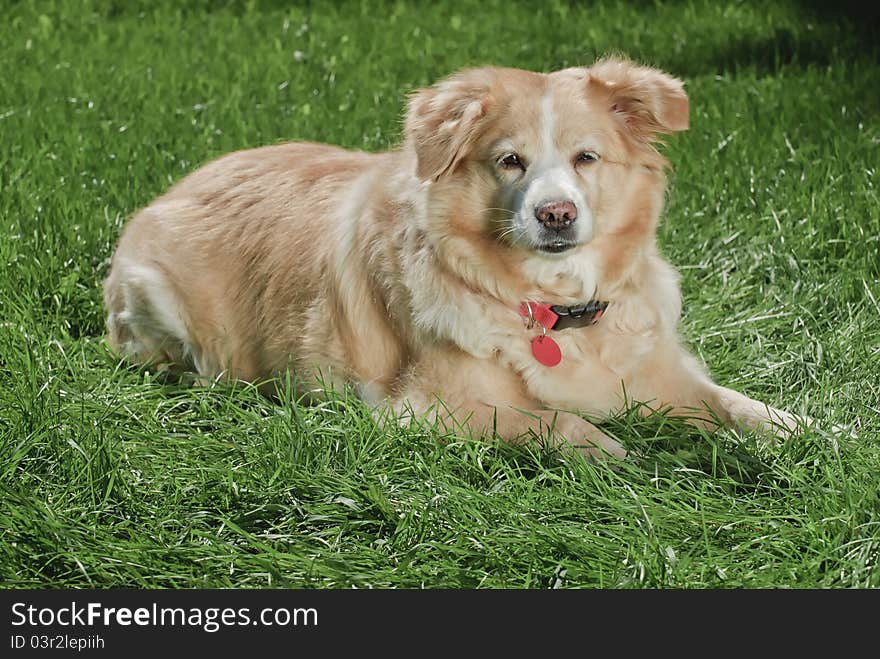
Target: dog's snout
556, 214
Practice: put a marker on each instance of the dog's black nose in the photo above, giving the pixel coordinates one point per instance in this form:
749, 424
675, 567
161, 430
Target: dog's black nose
556, 214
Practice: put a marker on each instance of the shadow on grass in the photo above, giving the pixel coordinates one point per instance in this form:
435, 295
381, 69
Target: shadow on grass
827, 33
665, 446
785, 48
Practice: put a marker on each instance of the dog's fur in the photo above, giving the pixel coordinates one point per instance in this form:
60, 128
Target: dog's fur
402, 273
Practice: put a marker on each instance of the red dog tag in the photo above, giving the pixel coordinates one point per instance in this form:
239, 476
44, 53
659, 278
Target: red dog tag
546, 350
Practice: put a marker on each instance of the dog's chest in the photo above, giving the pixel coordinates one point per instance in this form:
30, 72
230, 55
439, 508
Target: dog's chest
608, 343
594, 362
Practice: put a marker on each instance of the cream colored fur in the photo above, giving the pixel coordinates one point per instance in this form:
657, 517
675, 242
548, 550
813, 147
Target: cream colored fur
401, 273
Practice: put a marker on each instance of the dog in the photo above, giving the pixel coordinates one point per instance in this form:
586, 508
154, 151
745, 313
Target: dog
497, 273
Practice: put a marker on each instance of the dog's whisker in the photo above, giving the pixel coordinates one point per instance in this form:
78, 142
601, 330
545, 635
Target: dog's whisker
509, 212
516, 231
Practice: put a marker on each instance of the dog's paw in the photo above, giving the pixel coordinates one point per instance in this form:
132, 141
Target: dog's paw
785, 425
843, 431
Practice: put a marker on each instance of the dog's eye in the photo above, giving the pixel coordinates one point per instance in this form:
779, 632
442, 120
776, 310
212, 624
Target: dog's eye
511, 161
587, 156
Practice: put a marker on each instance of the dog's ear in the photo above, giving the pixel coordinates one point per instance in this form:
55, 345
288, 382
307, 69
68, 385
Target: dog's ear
443, 121
647, 102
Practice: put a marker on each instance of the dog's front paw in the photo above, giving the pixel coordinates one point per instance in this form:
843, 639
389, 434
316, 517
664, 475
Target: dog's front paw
779, 424
843, 431
786, 425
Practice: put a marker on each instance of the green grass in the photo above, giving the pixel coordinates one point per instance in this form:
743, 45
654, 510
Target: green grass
109, 477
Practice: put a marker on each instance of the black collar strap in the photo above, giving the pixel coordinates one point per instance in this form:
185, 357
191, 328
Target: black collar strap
579, 315
560, 317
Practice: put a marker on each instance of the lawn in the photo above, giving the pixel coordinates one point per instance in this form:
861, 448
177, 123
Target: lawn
110, 476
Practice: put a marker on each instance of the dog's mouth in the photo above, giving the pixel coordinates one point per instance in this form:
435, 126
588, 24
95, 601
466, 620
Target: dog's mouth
556, 247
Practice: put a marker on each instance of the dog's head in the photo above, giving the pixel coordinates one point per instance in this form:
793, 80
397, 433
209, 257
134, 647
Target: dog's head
546, 163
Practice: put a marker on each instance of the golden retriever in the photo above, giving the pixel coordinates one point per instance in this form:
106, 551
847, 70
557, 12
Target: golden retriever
497, 273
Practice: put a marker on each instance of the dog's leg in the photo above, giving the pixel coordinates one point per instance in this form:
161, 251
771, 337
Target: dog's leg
739, 410
145, 319
675, 378
479, 398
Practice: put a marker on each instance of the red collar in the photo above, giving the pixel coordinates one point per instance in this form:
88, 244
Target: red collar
559, 317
